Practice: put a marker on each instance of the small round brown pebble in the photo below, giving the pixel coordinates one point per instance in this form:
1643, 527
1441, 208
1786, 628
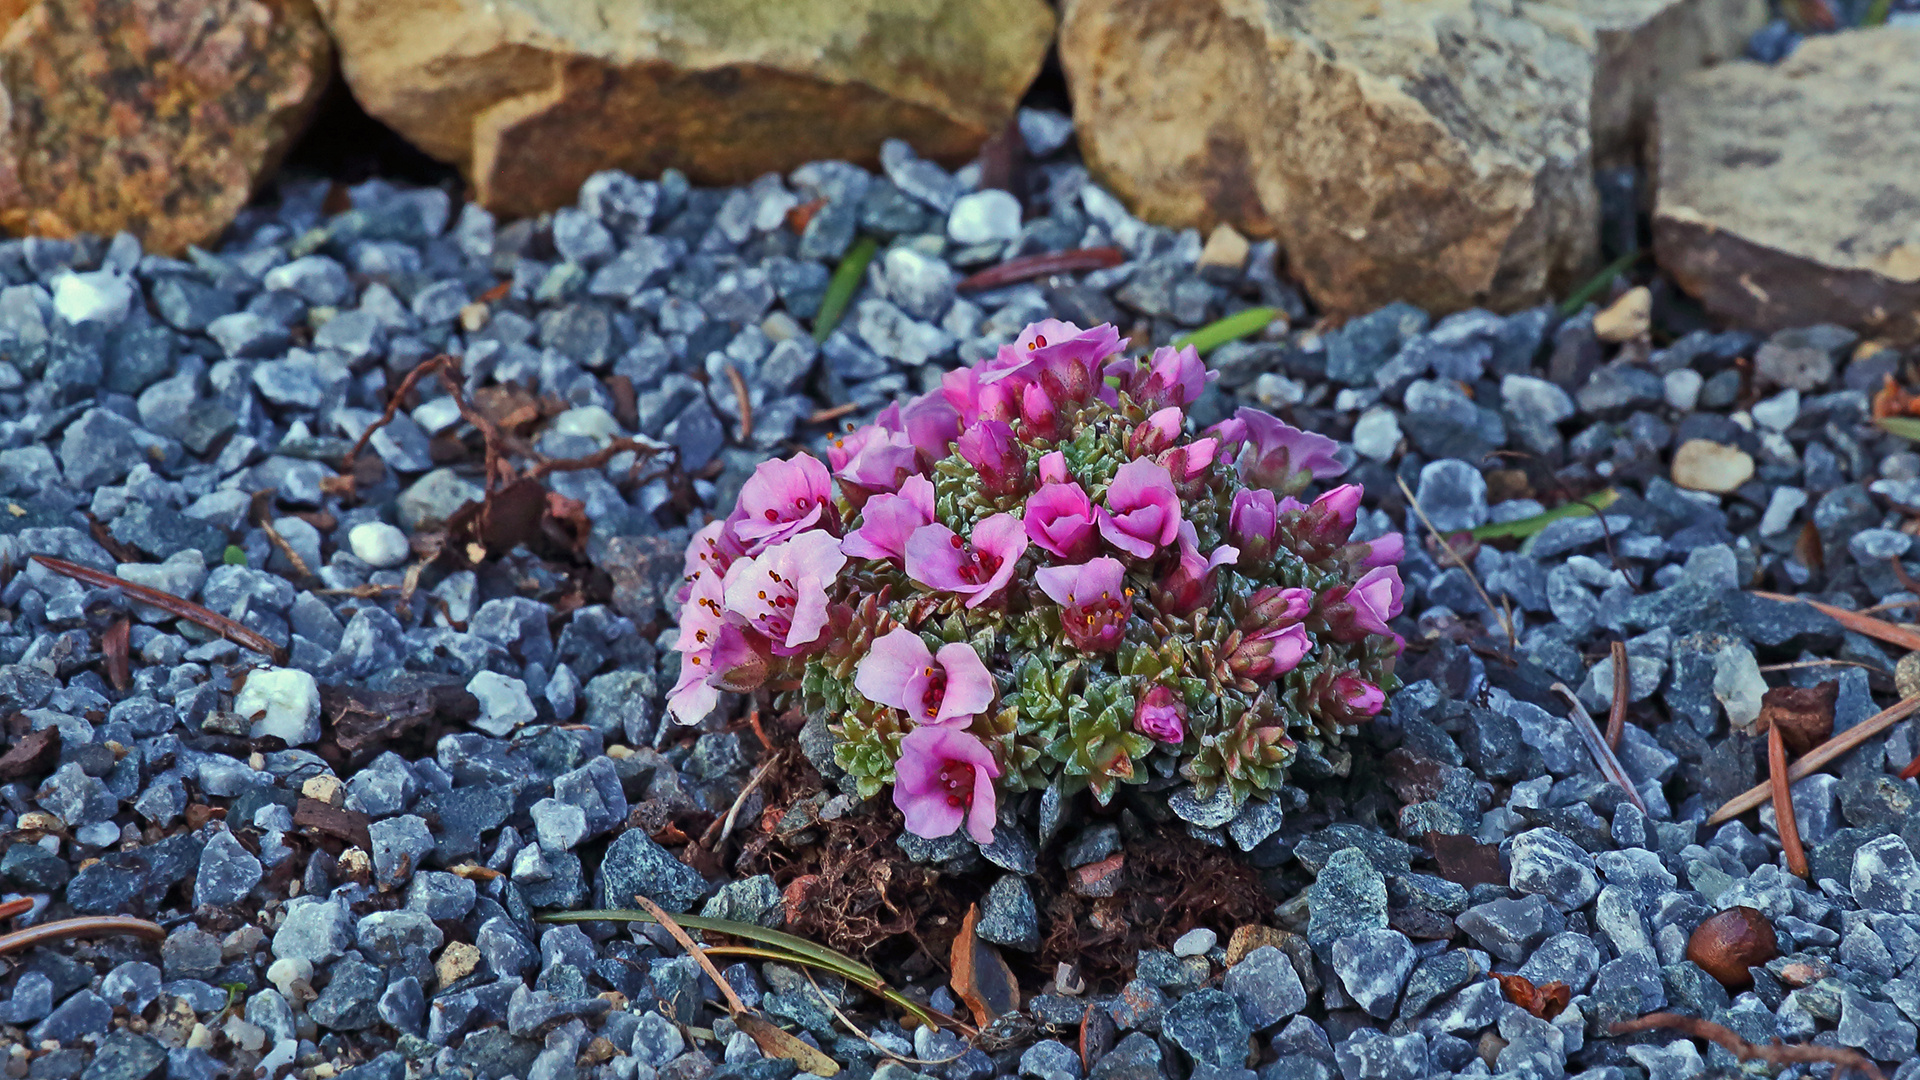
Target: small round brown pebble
1729, 943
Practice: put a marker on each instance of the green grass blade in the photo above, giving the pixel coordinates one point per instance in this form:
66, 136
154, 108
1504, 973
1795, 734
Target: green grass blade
787, 948
846, 282
1525, 527
1597, 284
1877, 14
1906, 427
1232, 328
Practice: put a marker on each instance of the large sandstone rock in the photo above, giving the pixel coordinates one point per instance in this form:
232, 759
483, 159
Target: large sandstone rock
1438, 151
1790, 195
530, 97
154, 116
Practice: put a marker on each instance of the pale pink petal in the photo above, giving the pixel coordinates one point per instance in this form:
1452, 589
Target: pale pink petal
894, 671
969, 685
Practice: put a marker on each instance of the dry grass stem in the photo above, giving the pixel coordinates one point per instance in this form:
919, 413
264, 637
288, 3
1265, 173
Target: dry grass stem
1820, 755
1506, 618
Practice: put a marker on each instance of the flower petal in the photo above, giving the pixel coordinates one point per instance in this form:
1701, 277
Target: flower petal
894, 670
969, 685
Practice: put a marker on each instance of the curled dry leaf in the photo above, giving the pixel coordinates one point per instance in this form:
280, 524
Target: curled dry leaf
1545, 1001
1804, 715
981, 977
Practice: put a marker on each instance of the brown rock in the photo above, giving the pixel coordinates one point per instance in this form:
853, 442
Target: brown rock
1436, 151
1727, 945
1787, 198
530, 97
1626, 318
155, 117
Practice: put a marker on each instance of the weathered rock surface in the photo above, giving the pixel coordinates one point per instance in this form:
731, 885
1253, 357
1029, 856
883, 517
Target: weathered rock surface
1788, 195
155, 118
1437, 151
530, 97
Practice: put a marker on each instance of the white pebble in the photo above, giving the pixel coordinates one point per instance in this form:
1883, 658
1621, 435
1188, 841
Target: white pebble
1781, 508
1376, 434
378, 544
1779, 411
286, 971
984, 217
282, 702
96, 296
1195, 942
1683, 388
1738, 684
504, 703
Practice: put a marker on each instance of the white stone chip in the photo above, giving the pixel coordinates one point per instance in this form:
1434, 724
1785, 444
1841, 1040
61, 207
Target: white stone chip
282, 702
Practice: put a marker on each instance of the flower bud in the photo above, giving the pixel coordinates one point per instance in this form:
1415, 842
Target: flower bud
1252, 521
1356, 698
1161, 715
991, 448
1271, 653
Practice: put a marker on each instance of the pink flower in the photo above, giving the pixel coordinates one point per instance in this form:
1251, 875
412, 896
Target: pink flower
740, 659
975, 395
1143, 511
872, 458
1376, 598
1385, 550
1060, 518
1161, 715
1276, 606
1059, 347
1094, 600
940, 560
945, 776
931, 424
1053, 468
1188, 464
1252, 521
781, 593
1170, 377
1189, 585
1340, 506
990, 447
1039, 416
1275, 454
1358, 697
947, 687
780, 500
886, 521
1270, 653
701, 618
1156, 432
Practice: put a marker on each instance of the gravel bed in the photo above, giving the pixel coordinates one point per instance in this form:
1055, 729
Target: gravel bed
297, 836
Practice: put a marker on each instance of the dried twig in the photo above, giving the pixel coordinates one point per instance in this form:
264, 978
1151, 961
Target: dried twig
1027, 267
1778, 1053
394, 401
724, 828
1513, 641
1827, 662
169, 603
542, 466
829, 415
18, 906
1617, 712
868, 1039
1597, 745
1814, 759
740, 396
115, 645
1783, 811
1855, 621
263, 517
84, 926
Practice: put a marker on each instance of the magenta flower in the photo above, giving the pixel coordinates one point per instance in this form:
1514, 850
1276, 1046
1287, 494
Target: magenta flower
975, 394
1270, 653
1094, 600
940, 560
1188, 464
740, 659
1385, 550
1156, 432
945, 776
931, 424
1329, 521
781, 594
1376, 598
872, 459
947, 687
1060, 518
781, 499
990, 447
886, 521
1059, 347
1039, 416
1276, 606
1275, 454
1253, 520
1053, 468
1357, 697
1161, 715
1170, 377
1142, 513
1189, 585
701, 618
